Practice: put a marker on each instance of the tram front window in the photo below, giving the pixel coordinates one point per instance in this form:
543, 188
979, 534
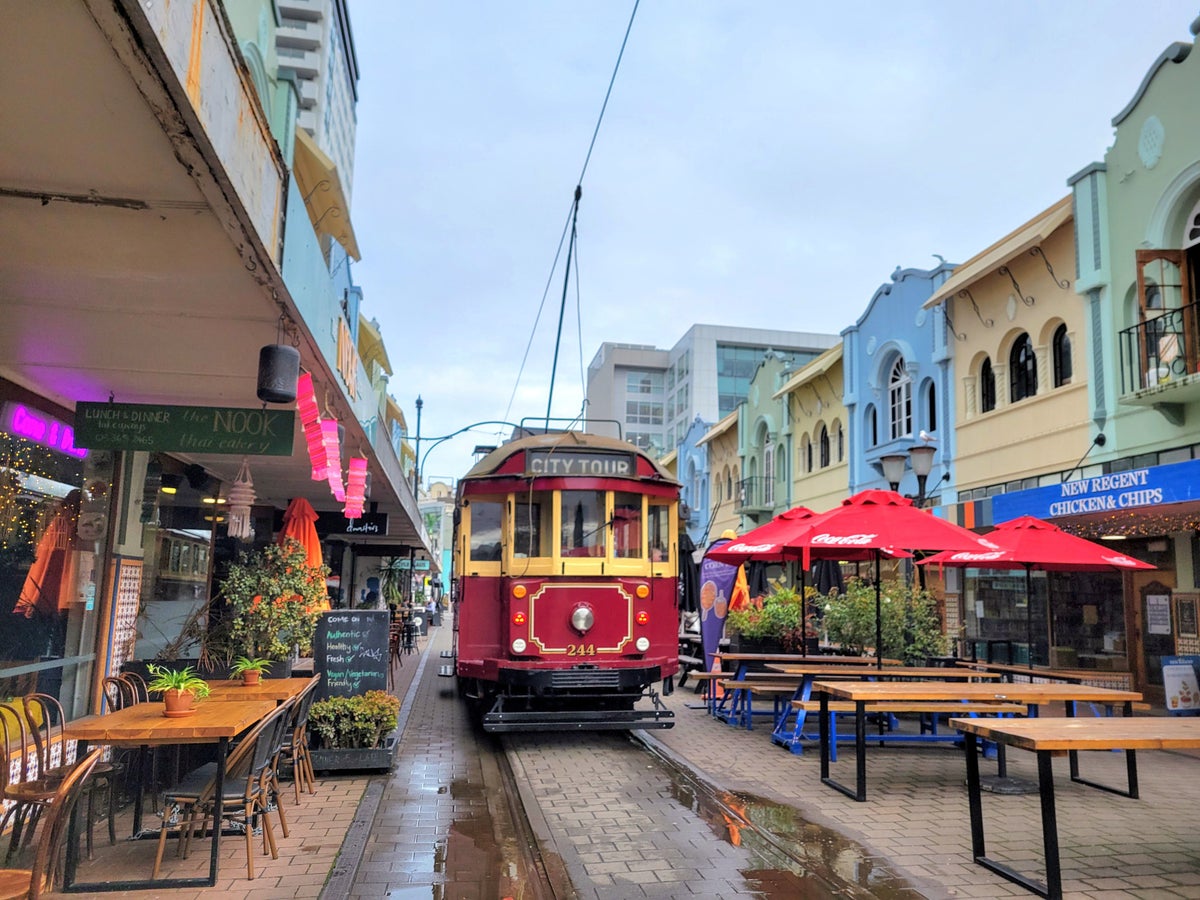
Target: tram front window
584, 531
532, 527
627, 526
486, 517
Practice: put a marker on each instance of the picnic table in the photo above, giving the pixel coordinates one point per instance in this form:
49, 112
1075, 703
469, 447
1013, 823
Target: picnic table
790, 722
915, 696
1050, 737
1072, 676
144, 725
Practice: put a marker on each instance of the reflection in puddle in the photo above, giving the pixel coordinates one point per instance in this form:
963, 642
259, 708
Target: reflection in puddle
798, 858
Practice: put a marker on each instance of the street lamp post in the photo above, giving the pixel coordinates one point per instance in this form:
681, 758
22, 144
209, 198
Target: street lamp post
417, 454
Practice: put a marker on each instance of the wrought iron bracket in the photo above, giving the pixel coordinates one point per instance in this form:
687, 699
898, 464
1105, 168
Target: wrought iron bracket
960, 336
987, 323
1005, 270
1061, 282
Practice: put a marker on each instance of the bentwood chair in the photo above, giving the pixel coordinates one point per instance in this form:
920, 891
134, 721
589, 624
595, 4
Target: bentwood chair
295, 744
243, 799
46, 720
31, 883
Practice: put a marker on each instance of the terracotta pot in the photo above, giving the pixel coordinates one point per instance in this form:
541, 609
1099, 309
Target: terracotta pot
178, 703
251, 677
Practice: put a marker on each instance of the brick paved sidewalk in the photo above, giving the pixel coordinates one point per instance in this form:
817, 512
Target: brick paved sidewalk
916, 816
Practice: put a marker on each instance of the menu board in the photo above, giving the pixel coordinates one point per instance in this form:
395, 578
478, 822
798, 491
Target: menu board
350, 652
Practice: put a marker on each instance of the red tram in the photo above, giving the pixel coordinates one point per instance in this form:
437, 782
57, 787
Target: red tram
565, 584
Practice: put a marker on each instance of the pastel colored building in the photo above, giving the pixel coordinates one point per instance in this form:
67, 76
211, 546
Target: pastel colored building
816, 428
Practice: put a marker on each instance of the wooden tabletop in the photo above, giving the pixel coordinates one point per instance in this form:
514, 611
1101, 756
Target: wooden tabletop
267, 689
800, 660
933, 672
947, 690
145, 724
1088, 733
1074, 675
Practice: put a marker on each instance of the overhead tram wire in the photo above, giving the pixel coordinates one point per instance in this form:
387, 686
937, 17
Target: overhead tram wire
568, 227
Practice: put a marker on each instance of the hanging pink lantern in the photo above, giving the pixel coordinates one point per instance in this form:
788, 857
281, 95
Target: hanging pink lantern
306, 401
356, 485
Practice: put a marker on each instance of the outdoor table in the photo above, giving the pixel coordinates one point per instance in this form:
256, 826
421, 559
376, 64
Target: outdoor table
1071, 676
144, 725
279, 690
789, 736
1049, 737
743, 661
862, 693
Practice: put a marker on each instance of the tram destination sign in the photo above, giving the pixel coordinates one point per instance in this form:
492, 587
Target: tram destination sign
567, 461
194, 429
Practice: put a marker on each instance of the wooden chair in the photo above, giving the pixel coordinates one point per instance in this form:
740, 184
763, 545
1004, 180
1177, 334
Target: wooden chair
137, 684
46, 720
31, 883
295, 745
243, 797
27, 795
118, 693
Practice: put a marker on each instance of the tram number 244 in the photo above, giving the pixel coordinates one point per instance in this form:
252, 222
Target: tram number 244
581, 649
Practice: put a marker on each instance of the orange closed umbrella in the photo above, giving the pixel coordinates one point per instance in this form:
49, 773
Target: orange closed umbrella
300, 523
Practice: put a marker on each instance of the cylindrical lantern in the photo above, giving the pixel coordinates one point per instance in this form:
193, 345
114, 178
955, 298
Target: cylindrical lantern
278, 372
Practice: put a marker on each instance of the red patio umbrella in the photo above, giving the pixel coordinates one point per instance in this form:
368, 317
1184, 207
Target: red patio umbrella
765, 543
1029, 543
880, 523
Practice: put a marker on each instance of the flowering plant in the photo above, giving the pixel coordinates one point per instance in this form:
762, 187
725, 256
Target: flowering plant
274, 598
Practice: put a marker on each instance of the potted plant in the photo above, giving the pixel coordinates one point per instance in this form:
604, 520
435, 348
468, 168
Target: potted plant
777, 623
911, 623
273, 598
250, 669
356, 732
179, 689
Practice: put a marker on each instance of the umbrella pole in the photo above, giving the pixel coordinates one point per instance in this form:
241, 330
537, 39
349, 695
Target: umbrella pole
878, 617
803, 610
1029, 610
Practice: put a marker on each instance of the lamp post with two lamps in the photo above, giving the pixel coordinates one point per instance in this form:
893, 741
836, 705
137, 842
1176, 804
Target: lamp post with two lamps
920, 458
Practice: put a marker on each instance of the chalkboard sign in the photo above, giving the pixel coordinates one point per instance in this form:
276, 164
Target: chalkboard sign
350, 652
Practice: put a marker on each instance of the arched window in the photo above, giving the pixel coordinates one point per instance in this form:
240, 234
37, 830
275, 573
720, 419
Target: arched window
899, 401
931, 404
987, 387
823, 446
841, 442
728, 485
1062, 356
872, 424
1022, 370
769, 475
806, 455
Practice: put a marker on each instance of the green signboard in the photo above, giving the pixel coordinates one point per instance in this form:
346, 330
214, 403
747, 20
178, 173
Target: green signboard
184, 429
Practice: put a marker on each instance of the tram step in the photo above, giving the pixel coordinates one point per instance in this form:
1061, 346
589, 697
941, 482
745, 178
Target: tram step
447, 654
445, 671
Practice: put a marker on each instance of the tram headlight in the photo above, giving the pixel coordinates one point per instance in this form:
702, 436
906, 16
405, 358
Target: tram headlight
643, 617
518, 646
582, 619
643, 644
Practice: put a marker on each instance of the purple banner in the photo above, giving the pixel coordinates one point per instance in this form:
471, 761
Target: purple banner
716, 587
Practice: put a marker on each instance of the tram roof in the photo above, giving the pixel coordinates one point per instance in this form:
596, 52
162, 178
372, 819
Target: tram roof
560, 439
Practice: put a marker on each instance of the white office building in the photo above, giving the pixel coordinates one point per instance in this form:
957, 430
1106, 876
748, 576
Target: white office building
655, 394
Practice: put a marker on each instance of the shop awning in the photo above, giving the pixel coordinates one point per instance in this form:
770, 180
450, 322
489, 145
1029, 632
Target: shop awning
317, 178
819, 366
1029, 235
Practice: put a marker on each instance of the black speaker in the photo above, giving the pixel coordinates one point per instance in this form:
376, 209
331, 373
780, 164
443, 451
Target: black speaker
278, 372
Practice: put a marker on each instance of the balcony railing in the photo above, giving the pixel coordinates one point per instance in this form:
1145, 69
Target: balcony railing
1161, 350
755, 493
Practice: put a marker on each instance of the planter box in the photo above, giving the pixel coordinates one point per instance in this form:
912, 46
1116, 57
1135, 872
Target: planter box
215, 672
374, 758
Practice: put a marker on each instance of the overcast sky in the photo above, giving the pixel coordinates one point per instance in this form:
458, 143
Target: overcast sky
766, 164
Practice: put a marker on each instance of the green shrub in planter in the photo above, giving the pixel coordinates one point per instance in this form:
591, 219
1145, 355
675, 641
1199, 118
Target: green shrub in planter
354, 722
780, 616
912, 625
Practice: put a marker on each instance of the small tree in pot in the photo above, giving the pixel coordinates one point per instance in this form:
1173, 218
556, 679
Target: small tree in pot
912, 626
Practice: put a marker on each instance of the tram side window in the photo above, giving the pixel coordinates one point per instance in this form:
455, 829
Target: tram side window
627, 525
584, 531
532, 525
660, 532
486, 517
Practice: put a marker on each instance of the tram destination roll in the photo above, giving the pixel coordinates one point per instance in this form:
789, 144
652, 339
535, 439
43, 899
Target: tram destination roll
350, 652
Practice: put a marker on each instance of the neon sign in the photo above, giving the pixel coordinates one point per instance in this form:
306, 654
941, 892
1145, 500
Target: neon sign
34, 425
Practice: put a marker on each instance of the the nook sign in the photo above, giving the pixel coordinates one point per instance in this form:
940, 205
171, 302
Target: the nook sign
195, 429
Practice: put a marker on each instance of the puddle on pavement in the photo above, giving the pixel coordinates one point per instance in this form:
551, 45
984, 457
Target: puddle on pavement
798, 858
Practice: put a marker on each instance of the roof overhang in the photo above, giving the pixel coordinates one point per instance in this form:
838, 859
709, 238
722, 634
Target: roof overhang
1032, 234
